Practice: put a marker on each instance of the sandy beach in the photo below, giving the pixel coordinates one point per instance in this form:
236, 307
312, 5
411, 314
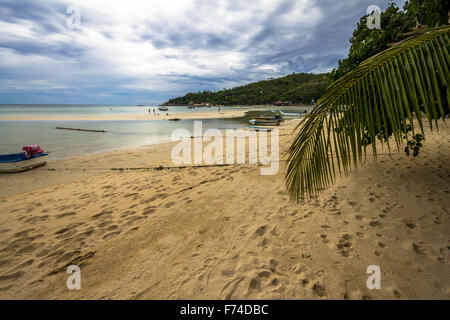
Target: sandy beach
161, 115
225, 232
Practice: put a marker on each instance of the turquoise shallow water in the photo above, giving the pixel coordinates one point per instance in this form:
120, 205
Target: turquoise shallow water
121, 134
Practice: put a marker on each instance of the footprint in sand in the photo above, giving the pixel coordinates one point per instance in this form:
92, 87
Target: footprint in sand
132, 230
149, 210
131, 194
155, 197
319, 290
127, 213
169, 204
345, 245
306, 256
111, 235
410, 225
22, 233
260, 231
304, 217
132, 220
262, 281
24, 265
397, 294
21, 244
27, 249
105, 212
265, 243
83, 235
104, 224
33, 220
12, 276
375, 224
67, 256
324, 238
418, 249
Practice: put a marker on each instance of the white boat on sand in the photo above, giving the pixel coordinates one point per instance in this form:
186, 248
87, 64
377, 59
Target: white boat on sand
17, 162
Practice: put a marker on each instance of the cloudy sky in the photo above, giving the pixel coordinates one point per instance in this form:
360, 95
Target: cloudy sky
132, 52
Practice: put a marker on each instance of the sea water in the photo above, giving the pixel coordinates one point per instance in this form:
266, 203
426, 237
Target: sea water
43, 110
121, 134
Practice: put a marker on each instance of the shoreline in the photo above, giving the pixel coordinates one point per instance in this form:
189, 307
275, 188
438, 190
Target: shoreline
72, 168
223, 114
126, 117
169, 234
238, 111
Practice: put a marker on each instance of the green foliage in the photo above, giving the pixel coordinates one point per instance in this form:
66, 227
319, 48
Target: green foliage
366, 42
298, 88
432, 13
414, 144
380, 98
395, 26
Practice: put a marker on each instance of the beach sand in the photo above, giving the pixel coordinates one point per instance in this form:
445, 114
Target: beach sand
162, 115
226, 232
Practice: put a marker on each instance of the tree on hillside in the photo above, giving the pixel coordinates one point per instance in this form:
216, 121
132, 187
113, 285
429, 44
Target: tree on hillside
296, 87
432, 13
395, 25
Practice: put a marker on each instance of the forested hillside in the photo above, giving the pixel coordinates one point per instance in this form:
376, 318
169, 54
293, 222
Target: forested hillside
297, 87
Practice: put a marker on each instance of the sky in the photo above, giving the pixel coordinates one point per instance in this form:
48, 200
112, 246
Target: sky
145, 52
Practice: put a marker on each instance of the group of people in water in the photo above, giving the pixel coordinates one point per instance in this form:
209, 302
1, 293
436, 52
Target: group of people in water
150, 110
153, 111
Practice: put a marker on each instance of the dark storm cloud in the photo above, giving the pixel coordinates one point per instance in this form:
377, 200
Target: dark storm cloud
151, 54
321, 46
46, 16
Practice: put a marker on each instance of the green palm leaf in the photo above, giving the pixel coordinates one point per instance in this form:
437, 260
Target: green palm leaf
380, 98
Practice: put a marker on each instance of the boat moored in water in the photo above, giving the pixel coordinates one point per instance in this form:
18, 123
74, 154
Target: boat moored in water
253, 128
266, 121
290, 115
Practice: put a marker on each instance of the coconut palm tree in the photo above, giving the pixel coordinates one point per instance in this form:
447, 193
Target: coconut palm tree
378, 99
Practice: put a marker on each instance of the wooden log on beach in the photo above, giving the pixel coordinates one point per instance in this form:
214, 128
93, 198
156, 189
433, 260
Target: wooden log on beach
78, 129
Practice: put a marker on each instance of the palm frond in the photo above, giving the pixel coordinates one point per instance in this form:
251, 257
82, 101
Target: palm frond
376, 100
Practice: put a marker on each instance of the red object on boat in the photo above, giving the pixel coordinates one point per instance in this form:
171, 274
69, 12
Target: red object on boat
32, 149
282, 103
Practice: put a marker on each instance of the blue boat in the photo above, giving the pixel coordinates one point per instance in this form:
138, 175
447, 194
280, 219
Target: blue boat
253, 128
17, 162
